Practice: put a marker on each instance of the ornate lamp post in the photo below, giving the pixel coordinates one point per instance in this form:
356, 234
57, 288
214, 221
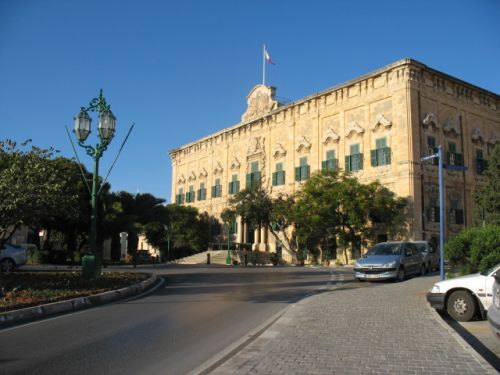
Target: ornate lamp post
91, 264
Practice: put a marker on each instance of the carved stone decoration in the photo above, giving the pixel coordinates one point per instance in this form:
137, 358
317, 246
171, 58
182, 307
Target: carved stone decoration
191, 176
181, 179
303, 144
353, 128
381, 121
330, 136
494, 139
255, 145
477, 136
430, 120
260, 101
235, 164
279, 151
451, 128
218, 168
203, 172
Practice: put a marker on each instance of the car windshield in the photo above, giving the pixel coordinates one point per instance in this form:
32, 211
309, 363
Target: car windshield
490, 270
385, 249
421, 247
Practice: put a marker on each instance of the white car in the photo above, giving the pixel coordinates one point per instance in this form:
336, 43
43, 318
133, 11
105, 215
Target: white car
494, 310
11, 257
464, 297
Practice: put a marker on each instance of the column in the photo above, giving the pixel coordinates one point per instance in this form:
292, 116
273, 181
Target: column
263, 238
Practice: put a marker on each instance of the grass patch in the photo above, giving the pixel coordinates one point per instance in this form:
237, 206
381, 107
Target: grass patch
19, 289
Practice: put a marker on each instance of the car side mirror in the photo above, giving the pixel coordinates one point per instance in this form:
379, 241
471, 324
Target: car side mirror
496, 275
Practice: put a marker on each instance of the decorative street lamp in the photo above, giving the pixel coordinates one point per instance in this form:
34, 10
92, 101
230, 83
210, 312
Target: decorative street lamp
91, 264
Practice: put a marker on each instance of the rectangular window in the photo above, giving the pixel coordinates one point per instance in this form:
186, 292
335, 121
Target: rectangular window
453, 158
253, 178
179, 198
432, 149
433, 210
217, 189
456, 214
354, 161
279, 175
234, 185
190, 194
202, 192
330, 164
302, 172
382, 154
481, 163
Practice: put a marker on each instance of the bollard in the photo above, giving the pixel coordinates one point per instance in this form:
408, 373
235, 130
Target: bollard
208, 258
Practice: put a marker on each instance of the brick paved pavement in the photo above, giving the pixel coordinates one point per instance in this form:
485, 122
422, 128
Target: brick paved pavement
387, 328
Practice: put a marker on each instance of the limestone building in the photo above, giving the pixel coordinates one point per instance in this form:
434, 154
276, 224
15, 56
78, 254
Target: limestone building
377, 127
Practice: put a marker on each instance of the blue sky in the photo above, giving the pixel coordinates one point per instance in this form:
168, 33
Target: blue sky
182, 69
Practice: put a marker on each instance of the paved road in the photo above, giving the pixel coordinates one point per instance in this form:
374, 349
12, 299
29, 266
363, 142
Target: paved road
193, 316
364, 328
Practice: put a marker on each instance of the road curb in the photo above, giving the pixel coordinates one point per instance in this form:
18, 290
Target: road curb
42, 311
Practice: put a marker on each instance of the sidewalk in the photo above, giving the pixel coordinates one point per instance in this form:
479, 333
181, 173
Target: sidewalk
387, 328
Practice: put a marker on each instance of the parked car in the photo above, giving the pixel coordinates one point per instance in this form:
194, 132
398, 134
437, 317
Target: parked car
390, 260
431, 255
494, 310
11, 257
464, 297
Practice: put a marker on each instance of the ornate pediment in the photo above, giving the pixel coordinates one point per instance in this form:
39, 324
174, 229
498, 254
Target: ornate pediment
191, 176
218, 168
451, 128
381, 121
303, 144
430, 120
235, 164
203, 172
255, 145
279, 151
477, 137
353, 128
330, 136
181, 179
260, 102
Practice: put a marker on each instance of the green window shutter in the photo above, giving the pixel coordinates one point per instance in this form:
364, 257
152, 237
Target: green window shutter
303, 161
387, 152
248, 184
308, 171
330, 155
348, 163
213, 192
236, 187
283, 178
254, 166
452, 147
230, 188
324, 165
297, 173
373, 158
256, 180
459, 216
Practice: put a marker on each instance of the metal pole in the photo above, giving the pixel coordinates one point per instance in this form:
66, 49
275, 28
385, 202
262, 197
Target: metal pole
93, 219
441, 212
263, 65
228, 258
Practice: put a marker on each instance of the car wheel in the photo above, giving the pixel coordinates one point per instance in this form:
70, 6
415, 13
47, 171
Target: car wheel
7, 265
461, 306
422, 270
401, 274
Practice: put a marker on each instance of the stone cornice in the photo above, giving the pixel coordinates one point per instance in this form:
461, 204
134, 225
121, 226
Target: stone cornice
404, 70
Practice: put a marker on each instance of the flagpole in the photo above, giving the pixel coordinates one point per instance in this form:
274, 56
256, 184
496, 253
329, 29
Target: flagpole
263, 65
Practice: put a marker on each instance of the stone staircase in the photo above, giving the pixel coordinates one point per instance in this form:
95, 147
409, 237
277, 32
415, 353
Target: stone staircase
216, 257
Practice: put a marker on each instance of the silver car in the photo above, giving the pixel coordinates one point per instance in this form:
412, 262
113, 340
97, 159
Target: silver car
430, 254
390, 260
11, 257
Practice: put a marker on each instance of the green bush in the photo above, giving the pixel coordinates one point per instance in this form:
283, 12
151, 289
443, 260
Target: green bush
474, 249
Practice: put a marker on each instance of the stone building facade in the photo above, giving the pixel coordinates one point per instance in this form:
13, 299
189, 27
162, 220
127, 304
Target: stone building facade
377, 127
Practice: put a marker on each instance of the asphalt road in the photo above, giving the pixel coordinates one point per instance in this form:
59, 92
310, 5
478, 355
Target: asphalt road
196, 313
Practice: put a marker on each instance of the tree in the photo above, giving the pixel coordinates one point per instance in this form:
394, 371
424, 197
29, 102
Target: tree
488, 196
474, 249
333, 205
32, 187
